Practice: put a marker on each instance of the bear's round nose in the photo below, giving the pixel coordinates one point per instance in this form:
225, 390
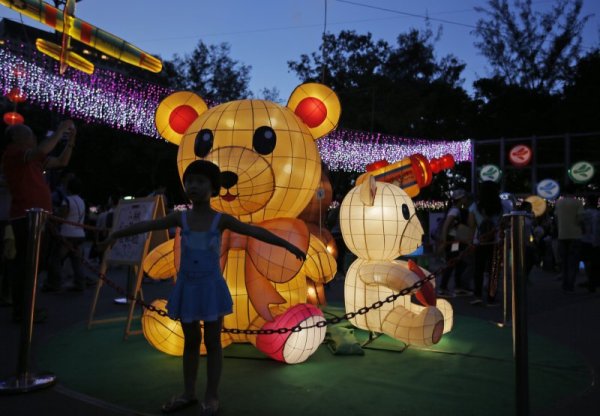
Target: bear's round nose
228, 179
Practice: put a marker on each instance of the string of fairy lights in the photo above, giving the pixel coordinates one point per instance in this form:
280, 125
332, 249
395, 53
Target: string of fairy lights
351, 151
128, 104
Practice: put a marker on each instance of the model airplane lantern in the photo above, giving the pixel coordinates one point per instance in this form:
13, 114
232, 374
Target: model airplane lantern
73, 28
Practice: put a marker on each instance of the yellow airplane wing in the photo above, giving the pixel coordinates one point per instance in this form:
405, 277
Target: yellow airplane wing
72, 59
84, 32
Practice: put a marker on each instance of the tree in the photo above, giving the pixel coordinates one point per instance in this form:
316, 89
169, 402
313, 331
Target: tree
508, 110
270, 94
350, 60
211, 73
414, 60
582, 95
533, 50
396, 89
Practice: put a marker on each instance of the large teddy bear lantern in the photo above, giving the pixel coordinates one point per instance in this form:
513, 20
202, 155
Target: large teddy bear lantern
270, 170
379, 224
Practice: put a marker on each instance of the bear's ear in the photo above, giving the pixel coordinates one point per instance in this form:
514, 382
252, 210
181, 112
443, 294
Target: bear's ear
367, 191
176, 112
318, 106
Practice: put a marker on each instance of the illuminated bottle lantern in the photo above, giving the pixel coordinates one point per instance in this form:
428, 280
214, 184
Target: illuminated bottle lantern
411, 173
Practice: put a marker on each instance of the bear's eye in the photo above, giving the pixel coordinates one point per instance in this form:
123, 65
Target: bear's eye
405, 212
264, 140
203, 142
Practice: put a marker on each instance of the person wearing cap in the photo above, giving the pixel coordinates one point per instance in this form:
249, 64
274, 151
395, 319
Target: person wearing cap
454, 239
200, 292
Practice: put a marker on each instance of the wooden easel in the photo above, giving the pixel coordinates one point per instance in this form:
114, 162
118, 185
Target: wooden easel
131, 251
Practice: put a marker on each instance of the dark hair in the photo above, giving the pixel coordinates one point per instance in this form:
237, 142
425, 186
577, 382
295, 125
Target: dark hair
489, 202
208, 169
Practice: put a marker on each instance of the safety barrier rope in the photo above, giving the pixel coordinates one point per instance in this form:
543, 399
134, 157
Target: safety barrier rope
320, 324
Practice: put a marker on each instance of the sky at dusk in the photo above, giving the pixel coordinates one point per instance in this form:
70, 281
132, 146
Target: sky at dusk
266, 34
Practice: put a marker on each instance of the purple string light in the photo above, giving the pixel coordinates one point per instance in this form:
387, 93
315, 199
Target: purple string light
125, 103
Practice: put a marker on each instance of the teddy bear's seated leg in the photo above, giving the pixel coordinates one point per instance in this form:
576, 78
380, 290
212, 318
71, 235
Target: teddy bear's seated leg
421, 329
445, 308
293, 347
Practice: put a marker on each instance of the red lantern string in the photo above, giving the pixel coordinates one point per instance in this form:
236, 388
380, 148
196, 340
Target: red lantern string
16, 96
11, 118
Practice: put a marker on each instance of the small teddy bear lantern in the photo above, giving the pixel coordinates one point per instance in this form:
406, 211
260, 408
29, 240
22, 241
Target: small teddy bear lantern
379, 224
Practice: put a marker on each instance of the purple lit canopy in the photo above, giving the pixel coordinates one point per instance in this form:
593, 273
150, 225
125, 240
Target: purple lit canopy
126, 103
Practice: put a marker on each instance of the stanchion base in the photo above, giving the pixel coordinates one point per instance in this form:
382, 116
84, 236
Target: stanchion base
26, 383
506, 324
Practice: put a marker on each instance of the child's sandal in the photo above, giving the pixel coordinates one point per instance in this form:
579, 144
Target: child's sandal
178, 403
209, 409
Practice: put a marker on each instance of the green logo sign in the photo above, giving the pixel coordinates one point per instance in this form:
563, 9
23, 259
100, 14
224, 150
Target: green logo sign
581, 172
490, 173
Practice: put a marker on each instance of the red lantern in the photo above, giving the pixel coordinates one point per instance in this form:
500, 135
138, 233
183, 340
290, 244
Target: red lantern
16, 95
12, 118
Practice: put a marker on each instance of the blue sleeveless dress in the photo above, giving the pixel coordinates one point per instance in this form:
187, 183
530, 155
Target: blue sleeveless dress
200, 293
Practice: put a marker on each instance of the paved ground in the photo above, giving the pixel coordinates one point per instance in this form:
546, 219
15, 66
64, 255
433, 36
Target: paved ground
570, 319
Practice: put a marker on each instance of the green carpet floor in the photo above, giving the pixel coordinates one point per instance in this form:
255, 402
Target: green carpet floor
470, 372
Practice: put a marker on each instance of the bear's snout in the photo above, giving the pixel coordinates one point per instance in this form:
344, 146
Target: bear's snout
228, 179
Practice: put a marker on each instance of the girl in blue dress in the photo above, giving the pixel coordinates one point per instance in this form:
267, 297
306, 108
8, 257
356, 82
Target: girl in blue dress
201, 293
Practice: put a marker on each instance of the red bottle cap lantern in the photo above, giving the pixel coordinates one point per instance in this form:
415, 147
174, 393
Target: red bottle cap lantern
447, 161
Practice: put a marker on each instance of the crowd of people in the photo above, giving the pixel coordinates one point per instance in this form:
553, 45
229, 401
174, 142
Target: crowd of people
563, 239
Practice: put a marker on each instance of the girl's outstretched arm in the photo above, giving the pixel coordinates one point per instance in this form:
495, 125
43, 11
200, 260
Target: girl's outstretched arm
235, 225
171, 220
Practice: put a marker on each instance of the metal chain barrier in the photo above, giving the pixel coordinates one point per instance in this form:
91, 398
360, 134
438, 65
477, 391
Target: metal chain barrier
335, 320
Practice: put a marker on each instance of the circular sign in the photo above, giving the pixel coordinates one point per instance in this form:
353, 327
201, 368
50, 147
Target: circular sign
548, 189
520, 155
490, 173
581, 172
538, 205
